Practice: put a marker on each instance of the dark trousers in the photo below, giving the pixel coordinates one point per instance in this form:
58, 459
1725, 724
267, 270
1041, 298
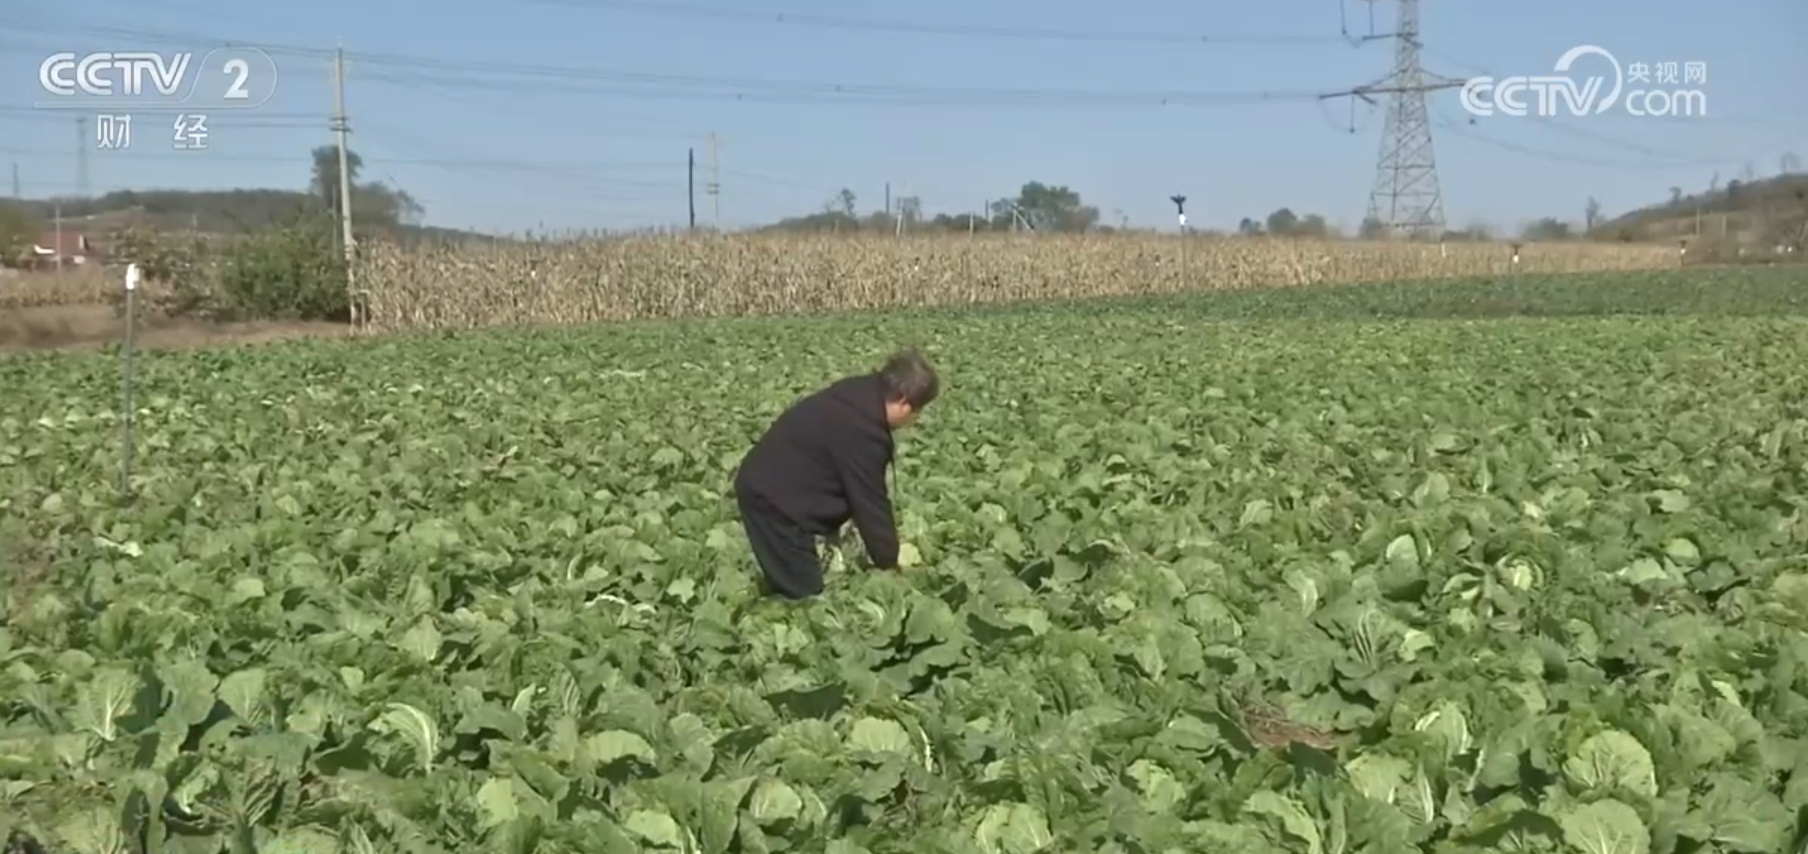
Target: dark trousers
785, 551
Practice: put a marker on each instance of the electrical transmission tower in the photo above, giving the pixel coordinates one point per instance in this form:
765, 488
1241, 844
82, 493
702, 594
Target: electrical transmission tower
1406, 200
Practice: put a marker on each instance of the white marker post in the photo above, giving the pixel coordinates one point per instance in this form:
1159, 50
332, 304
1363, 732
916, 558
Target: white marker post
1180, 214
125, 384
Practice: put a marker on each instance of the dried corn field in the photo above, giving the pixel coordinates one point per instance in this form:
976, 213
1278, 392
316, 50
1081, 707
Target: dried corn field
664, 277
87, 285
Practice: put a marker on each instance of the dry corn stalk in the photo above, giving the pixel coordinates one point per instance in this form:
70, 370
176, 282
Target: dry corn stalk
479, 285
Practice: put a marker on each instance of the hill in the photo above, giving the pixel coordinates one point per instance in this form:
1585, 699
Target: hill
377, 208
217, 212
1755, 213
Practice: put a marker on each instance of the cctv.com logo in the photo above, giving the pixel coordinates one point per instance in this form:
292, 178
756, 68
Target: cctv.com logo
1564, 93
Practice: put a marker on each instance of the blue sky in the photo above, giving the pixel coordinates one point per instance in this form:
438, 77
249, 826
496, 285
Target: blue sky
464, 104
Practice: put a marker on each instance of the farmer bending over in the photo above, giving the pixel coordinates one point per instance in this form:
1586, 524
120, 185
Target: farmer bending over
822, 462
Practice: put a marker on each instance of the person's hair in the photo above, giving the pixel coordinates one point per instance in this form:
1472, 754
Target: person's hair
908, 377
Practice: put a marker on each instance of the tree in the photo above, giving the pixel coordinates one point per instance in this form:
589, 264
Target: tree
380, 204
1312, 225
1249, 227
374, 203
18, 230
326, 173
1047, 208
1285, 223
1282, 222
1591, 214
1372, 229
1549, 228
844, 202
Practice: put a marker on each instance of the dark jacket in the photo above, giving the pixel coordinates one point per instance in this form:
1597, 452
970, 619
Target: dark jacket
823, 461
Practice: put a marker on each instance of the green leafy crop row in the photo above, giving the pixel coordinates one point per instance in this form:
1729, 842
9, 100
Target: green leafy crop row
1325, 587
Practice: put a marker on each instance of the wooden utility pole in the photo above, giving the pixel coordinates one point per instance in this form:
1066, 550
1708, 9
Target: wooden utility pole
342, 129
715, 182
81, 156
900, 224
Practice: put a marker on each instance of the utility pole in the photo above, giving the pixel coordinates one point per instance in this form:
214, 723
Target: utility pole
887, 197
18, 193
56, 216
341, 129
690, 183
81, 155
714, 189
1406, 199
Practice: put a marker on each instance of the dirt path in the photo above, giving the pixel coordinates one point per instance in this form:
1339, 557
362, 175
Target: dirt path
75, 327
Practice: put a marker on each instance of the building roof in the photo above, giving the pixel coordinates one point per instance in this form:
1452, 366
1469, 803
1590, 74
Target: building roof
73, 242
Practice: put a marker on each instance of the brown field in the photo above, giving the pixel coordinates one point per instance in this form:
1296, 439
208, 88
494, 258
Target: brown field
62, 327
77, 286
467, 287
80, 309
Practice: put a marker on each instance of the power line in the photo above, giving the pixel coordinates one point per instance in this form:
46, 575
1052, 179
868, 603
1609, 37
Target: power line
410, 69
1176, 36
619, 126
1459, 129
594, 180
12, 116
839, 95
573, 205
505, 165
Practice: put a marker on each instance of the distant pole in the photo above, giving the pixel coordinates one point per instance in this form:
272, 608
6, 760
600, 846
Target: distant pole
125, 383
341, 129
56, 216
81, 155
18, 193
690, 182
888, 197
715, 181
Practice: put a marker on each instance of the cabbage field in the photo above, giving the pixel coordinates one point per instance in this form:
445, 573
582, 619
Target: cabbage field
1183, 584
